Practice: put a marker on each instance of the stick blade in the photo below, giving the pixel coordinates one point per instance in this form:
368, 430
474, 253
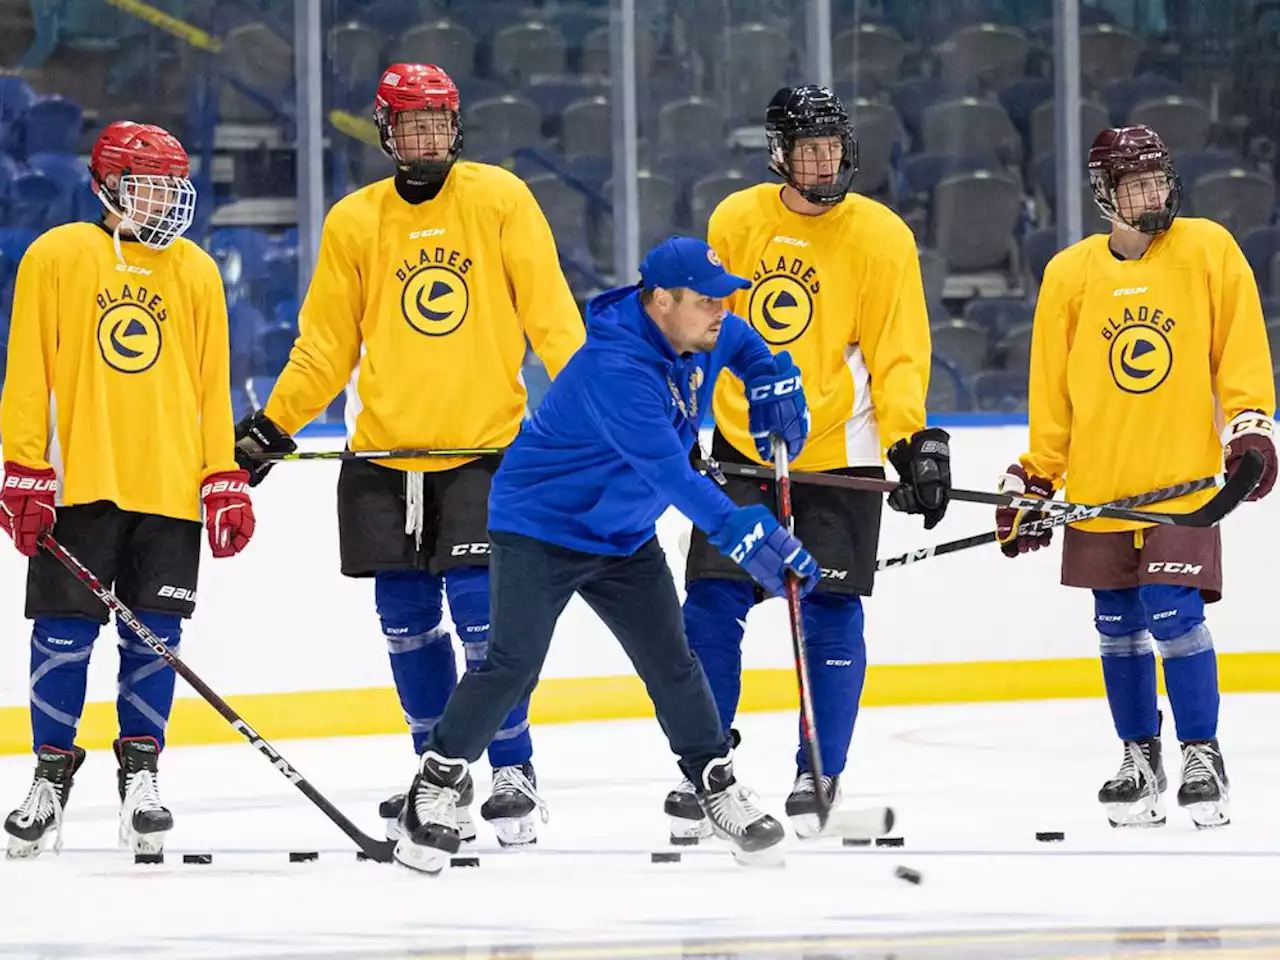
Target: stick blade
865, 823
1238, 486
379, 851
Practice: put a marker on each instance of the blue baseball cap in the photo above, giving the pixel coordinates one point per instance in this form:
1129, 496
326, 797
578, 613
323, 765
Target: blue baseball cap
688, 262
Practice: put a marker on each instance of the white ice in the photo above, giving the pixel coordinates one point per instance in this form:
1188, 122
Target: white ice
972, 785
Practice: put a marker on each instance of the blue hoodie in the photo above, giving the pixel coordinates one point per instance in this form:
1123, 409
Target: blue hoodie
607, 451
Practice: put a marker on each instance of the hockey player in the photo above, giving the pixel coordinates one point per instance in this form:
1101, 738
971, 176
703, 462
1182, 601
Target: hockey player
1142, 337
116, 419
837, 284
573, 511
426, 286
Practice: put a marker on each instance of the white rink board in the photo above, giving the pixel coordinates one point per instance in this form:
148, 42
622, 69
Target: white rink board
281, 618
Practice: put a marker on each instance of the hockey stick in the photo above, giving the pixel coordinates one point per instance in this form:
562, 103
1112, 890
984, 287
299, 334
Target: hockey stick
1050, 522
1238, 486
379, 850
410, 454
854, 824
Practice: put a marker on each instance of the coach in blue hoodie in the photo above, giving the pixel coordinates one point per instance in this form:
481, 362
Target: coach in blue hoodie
572, 510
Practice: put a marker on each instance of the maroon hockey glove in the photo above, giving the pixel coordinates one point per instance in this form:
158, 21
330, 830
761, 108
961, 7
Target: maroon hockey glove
26, 505
1251, 431
228, 514
1008, 519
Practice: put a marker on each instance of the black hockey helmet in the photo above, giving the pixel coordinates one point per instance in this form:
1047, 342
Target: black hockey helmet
802, 113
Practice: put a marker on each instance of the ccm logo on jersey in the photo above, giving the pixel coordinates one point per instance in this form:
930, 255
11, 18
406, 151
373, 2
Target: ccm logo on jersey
1127, 291
126, 268
36, 484
178, 593
419, 234
740, 551
791, 240
224, 486
779, 388
469, 550
1190, 569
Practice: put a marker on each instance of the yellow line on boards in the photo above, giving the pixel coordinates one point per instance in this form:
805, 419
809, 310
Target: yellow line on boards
169, 24
376, 710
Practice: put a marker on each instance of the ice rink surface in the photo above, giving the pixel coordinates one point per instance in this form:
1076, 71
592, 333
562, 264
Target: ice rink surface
972, 785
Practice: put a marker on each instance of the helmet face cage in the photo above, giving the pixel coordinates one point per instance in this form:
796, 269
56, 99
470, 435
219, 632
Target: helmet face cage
806, 114
1124, 163
421, 141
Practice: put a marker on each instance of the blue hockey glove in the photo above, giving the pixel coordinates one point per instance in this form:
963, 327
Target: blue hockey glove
753, 539
777, 407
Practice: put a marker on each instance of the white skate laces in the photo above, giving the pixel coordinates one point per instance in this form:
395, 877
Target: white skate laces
433, 804
41, 804
734, 809
1197, 765
141, 795
513, 778
1136, 767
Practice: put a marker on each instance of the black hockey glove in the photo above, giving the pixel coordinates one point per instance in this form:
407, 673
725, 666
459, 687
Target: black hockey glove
924, 469
256, 434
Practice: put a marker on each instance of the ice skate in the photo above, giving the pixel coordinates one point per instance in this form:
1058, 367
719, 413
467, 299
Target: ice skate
1132, 796
688, 823
144, 820
1204, 791
429, 821
391, 808
730, 808
802, 803
512, 804
41, 813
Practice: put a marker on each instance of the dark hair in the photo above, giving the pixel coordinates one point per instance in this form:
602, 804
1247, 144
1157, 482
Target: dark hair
646, 295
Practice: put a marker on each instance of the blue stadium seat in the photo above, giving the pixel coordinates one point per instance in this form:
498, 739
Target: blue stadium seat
241, 253
998, 315
244, 322
33, 201
922, 172
14, 241
16, 96
72, 178
271, 352
1260, 247
999, 391
1038, 249
50, 125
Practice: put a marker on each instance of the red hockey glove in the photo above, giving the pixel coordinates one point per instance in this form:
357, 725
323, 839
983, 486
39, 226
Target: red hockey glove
26, 505
1008, 519
1251, 431
228, 514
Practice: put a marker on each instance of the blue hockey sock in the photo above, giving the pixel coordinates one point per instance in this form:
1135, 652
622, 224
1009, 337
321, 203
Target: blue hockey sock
833, 625
1128, 664
715, 616
60, 648
468, 592
422, 659
144, 695
1176, 615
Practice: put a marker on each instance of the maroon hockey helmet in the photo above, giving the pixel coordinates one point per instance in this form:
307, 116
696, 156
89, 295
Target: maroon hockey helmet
1120, 151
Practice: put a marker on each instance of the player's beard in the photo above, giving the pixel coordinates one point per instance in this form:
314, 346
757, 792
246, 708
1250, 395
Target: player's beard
707, 342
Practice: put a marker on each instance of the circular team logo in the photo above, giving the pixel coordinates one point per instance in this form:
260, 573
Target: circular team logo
435, 301
714, 258
129, 338
1141, 358
781, 308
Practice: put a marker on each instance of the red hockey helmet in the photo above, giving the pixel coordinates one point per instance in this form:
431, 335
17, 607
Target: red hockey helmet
420, 146
1120, 151
141, 174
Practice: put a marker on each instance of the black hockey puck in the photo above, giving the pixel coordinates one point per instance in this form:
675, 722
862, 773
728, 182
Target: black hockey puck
890, 842
1050, 836
362, 856
907, 874
464, 861
664, 856
306, 856
197, 858
855, 842
149, 858
684, 841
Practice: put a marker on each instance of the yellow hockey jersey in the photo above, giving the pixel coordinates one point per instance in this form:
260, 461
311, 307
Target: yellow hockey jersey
118, 375
422, 311
1137, 364
842, 292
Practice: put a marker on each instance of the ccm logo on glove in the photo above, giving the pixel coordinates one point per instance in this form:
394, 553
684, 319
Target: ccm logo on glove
744, 546
779, 388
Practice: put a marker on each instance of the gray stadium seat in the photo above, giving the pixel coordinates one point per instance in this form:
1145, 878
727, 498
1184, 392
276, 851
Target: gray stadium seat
964, 344
1016, 349
869, 50
982, 57
444, 43
1183, 124
933, 273
684, 125
706, 194
524, 50
258, 57
1240, 200
753, 67
1044, 129
657, 206
878, 130
945, 392
596, 57
565, 209
588, 128
975, 215
501, 125
356, 54
971, 127
1107, 54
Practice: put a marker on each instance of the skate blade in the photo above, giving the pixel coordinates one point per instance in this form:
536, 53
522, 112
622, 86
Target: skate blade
24, 849
428, 860
148, 843
1142, 814
687, 833
514, 832
1210, 814
770, 858
806, 826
